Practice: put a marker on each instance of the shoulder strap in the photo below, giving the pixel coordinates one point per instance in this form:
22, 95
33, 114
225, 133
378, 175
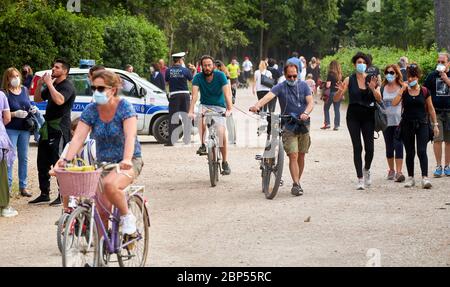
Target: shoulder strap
424, 91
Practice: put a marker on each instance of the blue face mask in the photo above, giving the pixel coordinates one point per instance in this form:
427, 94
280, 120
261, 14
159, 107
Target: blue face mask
291, 82
100, 98
390, 78
412, 84
361, 68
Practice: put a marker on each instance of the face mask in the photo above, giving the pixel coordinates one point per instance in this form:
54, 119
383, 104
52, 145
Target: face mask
361, 68
291, 82
100, 98
390, 78
15, 82
440, 68
412, 84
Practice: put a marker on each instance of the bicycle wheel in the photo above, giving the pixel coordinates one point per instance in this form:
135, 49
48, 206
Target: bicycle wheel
273, 170
135, 254
77, 252
60, 230
213, 165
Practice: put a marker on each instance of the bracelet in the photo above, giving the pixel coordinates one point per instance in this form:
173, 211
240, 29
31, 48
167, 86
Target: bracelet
435, 124
306, 113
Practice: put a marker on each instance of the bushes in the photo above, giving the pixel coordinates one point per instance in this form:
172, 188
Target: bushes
381, 58
37, 37
132, 40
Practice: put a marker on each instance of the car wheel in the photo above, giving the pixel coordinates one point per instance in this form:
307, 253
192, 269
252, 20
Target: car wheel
160, 129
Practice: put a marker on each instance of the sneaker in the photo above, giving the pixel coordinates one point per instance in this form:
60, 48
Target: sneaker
447, 170
202, 150
296, 190
360, 185
426, 183
128, 223
324, 127
56, 202
335, 128
399, 177
391, 175
25, 193
438, 171
41, 199
9, 212
367, 180
410, 182
225, 168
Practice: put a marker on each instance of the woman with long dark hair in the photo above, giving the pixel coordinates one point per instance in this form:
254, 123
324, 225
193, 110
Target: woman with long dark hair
417, 109
334, 76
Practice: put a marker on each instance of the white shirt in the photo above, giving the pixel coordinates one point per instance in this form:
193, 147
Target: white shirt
247, 66
260, 87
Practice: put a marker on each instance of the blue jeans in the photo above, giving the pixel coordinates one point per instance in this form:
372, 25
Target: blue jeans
337, 113
20, 140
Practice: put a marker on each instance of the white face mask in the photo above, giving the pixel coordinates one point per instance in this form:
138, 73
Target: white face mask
15, 82
440, 68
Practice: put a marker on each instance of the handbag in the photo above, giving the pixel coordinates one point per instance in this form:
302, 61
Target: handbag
29, 124
380, 118
266, 81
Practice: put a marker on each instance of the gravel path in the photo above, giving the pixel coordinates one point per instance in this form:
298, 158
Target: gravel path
234, 225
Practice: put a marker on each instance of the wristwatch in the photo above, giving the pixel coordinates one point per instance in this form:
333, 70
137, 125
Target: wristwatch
435, 124
306, 113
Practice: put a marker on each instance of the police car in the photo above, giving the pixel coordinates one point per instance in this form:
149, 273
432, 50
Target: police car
149, 101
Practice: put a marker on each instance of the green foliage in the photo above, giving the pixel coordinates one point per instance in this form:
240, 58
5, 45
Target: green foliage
75, 37
132, 40
426, 58
25, 40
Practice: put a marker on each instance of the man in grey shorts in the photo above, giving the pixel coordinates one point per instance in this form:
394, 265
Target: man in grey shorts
438, 83
215, 96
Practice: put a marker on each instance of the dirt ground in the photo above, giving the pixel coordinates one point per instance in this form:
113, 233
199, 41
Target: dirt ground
233, 224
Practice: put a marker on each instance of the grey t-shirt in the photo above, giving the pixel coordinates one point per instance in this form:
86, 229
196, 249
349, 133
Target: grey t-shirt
394, 113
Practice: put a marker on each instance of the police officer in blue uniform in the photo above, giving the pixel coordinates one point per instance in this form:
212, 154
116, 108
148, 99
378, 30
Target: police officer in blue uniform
177, 77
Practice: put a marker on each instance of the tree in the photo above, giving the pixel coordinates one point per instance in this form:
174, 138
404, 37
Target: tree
442, 24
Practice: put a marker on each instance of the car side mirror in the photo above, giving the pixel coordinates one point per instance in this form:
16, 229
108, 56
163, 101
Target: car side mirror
142, 92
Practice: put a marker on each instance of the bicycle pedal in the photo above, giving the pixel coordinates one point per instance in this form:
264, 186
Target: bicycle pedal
258, 157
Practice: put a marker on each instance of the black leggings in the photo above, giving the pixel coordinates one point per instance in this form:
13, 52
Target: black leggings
392, 144
410, 132
270, 106
366, 128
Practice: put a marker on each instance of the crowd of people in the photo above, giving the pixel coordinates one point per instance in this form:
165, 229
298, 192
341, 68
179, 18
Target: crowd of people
416, 114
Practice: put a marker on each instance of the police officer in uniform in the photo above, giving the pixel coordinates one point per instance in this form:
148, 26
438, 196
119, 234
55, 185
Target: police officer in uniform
177, 77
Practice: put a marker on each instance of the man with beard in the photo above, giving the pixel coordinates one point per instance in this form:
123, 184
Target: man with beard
215, 96
55, 133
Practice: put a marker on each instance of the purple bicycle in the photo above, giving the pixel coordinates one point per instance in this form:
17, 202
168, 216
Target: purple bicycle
87, 242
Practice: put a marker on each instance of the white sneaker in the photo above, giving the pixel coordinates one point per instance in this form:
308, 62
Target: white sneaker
426, 183
410, 182
367, 180
128, 223
360, 185
9, 212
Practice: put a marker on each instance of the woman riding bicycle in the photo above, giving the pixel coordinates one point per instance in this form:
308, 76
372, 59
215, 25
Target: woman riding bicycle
112, 122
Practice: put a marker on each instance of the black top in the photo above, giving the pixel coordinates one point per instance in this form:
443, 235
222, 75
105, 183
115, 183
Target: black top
27, 81
314, 71
158, 80
439, 90
332, 78
359, 96
414, 106
54, 111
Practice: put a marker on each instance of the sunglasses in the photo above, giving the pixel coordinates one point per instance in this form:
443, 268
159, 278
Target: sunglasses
291, 77
442, 62
390, 73
101, 89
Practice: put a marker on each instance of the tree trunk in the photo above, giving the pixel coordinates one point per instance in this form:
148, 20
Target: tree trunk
261, 33
442, 24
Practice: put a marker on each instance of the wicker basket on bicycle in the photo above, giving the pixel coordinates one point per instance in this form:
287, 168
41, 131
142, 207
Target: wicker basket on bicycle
78, 183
